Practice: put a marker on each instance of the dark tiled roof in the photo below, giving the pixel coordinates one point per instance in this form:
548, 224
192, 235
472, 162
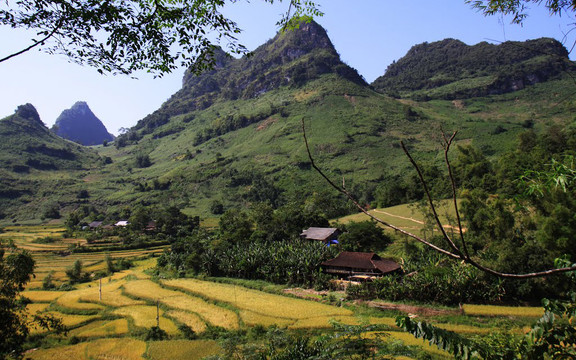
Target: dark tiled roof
362, 260
318, 233
94, 224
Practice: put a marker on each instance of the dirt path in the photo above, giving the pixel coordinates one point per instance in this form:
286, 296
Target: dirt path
400, 217
415, 220
410, 309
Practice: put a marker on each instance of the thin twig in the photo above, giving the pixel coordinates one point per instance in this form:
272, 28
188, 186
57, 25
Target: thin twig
447, 143
431, 203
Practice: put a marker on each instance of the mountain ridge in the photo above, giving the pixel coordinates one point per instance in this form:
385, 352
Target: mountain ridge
235, 147
290, 58
449, 69
79, 124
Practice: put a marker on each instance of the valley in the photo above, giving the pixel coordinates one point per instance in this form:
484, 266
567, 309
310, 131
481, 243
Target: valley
185, 236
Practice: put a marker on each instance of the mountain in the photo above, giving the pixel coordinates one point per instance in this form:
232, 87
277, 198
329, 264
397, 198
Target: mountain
232, 137
291, 58
36, 166
450, 69
79, 124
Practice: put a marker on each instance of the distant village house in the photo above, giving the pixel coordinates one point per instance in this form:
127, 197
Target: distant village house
151, 226
95, 225
326, 235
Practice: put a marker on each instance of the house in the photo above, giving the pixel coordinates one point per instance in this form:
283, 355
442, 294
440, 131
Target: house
151, 226
326, 235
122, 223
359, 265
95, 225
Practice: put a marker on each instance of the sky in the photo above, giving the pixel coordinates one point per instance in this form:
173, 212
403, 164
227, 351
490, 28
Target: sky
369, 35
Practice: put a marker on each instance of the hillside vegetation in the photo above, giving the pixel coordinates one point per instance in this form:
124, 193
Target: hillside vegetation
233, 136
450, 69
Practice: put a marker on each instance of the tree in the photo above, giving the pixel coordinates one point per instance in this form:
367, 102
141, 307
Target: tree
16, 269
517, 8
126, 36
364, 236
143, 160
455, 248
75, 272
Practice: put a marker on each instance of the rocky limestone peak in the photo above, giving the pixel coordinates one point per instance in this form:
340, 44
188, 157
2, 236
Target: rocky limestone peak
292, 58
29, 112
309, 36
79, 124
475, 70
81, 108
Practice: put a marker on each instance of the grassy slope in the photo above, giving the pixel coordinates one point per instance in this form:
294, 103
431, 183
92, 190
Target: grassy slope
354, 132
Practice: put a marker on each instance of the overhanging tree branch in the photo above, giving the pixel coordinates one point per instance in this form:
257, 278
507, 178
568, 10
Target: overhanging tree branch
37, 43
362, 209
457, 252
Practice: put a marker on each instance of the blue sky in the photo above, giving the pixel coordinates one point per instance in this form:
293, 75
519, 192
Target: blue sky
369, 35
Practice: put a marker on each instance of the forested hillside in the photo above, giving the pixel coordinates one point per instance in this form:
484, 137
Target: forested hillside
450, 69
233, 136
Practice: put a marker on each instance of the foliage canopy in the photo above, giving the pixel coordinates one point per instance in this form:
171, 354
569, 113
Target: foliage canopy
127, 36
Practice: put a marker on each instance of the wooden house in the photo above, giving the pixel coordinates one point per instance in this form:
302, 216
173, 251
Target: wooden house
326, 235
359, 265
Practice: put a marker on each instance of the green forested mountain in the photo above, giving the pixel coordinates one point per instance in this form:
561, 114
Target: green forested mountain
232, 137
450, 69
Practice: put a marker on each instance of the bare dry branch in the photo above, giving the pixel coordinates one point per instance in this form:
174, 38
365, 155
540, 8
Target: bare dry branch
447, 143
362, 209
457, 252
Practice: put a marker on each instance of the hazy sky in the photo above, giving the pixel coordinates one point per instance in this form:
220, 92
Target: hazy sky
369, 35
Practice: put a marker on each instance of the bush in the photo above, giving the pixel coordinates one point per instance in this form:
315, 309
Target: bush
143, 160
156, 333
187, 331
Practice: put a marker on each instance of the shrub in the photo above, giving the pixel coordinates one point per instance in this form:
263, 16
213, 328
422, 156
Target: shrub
155, 333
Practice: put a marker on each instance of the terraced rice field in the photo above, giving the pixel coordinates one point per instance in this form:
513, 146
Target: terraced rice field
111, 316
182, 349
493, 310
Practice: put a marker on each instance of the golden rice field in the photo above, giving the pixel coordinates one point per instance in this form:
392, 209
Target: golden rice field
108, 315
257, 301
71, 320
182, 349
125, 349
102, 328
192, 320
145, 316
493, 310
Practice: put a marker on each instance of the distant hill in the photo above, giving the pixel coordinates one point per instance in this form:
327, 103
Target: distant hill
35, 164
79, 124
450, 69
